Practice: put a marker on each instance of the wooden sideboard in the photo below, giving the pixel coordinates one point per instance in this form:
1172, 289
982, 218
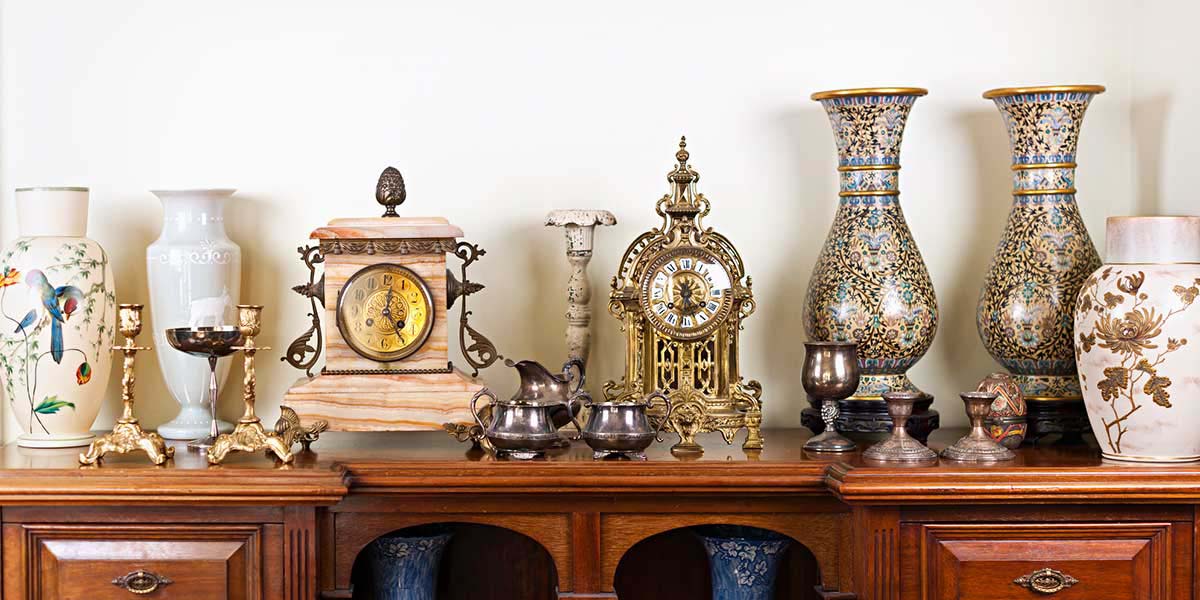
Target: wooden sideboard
569, 527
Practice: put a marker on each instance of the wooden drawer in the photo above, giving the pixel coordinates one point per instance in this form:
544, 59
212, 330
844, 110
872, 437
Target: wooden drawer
87, 562
1109, 561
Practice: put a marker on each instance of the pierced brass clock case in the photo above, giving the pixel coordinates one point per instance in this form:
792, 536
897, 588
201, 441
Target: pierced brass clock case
385, 312
681, 293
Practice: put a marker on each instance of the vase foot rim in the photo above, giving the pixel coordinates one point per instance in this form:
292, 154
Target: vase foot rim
57, 441
1150, 459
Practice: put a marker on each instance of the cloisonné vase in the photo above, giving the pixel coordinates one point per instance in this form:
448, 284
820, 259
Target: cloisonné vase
58, 307
1137, 340
743, 560
405, 567
195, 274
870, 284
1045, 254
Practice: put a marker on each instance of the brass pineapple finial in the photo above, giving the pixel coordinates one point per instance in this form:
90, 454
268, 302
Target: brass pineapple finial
390, 191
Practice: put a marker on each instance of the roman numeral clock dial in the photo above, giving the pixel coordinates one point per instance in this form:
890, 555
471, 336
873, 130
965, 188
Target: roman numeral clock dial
385, 312
685, 293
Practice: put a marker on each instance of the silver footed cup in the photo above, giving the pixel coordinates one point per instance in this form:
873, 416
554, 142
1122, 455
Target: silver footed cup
830, 373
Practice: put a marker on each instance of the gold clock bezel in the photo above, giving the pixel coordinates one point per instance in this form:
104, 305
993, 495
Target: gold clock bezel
419, 341
674, 331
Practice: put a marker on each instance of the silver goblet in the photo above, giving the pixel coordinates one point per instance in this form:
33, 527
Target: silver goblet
830, 374
211, 343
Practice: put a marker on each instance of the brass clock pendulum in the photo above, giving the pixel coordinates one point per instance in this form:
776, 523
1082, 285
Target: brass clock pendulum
249, 435
127, 435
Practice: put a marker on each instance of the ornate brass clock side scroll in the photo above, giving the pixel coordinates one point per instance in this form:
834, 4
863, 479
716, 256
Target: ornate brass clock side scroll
681, 294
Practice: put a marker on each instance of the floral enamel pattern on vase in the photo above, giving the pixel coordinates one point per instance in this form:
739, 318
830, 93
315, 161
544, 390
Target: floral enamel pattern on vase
1045, 253
58, 306
1137, 325
870, 284
743, 561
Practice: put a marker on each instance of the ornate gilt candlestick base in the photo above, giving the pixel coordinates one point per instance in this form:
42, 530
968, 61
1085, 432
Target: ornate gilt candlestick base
127, 435
977, 446
249, 435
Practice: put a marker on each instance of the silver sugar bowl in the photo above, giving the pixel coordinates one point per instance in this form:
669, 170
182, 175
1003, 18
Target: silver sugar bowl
518, 428
622, 429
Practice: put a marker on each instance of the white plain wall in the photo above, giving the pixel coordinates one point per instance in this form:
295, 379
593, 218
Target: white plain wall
498, 112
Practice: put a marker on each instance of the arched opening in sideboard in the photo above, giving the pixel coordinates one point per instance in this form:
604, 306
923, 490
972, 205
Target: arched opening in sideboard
673, 565
480, 562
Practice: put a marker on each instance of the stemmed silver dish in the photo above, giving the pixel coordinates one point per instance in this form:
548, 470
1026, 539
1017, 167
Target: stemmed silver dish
830, 374
211, 343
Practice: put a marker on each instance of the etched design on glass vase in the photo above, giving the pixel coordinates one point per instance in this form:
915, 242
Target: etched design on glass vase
195, 277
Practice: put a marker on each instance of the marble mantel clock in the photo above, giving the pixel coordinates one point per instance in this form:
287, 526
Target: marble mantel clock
386, 294
681, 293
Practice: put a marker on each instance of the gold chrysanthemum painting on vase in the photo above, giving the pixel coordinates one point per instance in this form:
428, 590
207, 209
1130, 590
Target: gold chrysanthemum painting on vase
1137, 328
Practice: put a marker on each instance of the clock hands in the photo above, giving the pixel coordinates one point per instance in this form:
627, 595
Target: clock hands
397, 324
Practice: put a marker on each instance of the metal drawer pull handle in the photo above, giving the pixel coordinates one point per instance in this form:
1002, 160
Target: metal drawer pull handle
1046, 581
141, 582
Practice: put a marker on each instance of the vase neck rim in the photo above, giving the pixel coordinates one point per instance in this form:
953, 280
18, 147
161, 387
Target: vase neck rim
1043, 89
52, 211
1152, 239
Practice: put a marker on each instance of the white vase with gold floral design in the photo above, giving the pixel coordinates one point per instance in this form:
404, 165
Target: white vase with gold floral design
1137, 344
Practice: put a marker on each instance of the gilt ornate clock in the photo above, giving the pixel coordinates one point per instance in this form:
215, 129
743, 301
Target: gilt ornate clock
386, 295
681, 294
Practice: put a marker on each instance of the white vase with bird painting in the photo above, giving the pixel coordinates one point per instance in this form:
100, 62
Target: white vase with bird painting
195, 274
58, 307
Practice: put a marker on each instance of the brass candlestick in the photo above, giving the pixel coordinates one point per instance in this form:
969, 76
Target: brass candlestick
127, 435
249, 434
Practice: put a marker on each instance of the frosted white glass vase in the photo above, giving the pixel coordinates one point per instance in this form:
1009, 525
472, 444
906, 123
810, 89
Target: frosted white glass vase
58, 308
195, 275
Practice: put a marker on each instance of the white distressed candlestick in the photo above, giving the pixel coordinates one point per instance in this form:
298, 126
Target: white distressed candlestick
579, 225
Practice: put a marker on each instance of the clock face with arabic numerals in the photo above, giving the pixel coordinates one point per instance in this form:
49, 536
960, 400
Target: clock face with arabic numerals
385, 312
685, 293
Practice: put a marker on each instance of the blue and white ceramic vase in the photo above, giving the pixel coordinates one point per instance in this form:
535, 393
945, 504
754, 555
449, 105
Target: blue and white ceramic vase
1026, 308
405, 567
870, 284
58, 307
743, 560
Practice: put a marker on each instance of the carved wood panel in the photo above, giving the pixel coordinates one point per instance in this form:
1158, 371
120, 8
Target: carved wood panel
1085, 561
99, 562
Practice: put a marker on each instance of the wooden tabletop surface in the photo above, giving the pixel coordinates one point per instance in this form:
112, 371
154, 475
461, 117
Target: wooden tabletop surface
432, 462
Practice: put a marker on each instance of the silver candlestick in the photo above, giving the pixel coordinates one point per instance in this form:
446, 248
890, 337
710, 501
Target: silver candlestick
579, 225
830, 373
900, 447
977, 446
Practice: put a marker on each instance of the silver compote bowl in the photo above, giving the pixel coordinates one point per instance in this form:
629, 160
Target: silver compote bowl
211, 343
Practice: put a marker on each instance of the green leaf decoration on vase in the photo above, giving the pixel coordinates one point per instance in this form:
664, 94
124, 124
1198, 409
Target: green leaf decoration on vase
51, 405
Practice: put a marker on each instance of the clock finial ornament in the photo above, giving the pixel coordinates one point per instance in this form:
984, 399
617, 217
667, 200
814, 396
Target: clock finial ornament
390, 191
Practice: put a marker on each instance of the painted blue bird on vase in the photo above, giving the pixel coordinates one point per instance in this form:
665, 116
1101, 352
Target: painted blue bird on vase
55, 304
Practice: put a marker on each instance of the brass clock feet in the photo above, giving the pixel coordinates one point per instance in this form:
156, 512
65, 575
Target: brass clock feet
249, 434
127, 435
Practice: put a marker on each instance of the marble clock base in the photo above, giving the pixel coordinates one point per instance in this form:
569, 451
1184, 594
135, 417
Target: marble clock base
385, 402
871, 416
